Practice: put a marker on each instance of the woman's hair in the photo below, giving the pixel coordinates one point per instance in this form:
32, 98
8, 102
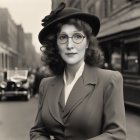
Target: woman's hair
51, 56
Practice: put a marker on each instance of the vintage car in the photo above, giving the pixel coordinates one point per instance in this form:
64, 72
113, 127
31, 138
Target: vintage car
16, 84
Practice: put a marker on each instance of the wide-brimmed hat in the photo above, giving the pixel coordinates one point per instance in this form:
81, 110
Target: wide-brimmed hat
61, 13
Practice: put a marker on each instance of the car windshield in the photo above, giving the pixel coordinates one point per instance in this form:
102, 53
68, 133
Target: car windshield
17, 75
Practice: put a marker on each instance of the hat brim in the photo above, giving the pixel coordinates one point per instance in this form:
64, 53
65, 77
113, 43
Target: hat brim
92, 20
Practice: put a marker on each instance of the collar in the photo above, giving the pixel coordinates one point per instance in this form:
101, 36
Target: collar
77, 75
90, 74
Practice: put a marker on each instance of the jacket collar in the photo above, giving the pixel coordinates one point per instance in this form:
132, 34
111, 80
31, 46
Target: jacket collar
53, 95
89, 77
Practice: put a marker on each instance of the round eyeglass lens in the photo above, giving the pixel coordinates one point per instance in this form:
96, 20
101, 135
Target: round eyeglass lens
63, 38
78, 38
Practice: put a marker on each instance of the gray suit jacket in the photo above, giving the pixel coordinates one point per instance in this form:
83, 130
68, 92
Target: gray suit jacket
94, 109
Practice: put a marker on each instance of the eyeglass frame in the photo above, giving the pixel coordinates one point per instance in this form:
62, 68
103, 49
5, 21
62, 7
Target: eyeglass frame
83, 36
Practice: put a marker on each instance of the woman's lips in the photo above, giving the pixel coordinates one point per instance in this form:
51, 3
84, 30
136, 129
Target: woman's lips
70, 54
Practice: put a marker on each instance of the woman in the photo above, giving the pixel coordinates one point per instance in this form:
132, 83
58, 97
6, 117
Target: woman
82, 101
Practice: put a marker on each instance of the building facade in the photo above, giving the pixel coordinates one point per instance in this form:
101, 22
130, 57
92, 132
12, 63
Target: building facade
20, 46
16, 48
4, 54
119, 38
30, 60
8, 37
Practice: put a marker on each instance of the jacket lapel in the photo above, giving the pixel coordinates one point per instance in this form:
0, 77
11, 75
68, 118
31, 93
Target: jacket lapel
54, 92
85, 84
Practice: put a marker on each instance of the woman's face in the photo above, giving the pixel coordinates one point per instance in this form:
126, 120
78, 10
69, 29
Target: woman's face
72, 44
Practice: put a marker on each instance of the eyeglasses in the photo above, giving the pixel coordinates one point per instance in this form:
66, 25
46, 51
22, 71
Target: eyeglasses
76, 38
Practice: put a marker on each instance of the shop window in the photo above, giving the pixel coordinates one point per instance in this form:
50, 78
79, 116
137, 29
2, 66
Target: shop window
116, 61
131, 60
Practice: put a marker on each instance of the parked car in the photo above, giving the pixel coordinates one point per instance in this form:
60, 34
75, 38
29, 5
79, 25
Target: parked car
16, 84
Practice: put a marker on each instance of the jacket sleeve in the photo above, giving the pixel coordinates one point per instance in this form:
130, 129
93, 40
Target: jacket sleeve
114, 127
38, 131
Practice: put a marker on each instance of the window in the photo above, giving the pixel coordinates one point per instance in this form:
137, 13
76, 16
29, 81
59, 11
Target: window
108, 7
116, 61
131, 58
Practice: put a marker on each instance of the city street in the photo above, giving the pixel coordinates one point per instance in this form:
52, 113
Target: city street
17, 117
133, 124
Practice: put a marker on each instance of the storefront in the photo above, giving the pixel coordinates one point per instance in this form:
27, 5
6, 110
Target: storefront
120, 41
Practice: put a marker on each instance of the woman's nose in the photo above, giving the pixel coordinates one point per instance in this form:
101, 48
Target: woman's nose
70, 43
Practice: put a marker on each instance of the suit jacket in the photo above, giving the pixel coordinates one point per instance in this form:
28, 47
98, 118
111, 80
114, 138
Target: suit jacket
94, 109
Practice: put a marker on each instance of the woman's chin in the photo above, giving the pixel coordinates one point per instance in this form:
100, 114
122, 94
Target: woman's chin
73, 62
70, 62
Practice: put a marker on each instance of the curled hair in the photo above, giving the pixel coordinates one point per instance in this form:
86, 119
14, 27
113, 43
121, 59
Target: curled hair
51, 57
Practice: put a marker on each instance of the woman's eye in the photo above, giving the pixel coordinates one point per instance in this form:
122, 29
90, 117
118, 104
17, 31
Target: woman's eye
61, 37
77, 36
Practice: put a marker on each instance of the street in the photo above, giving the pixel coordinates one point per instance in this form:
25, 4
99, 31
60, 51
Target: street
133, 124
17, 117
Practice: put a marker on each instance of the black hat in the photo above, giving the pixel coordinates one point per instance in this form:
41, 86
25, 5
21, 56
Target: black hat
61, 13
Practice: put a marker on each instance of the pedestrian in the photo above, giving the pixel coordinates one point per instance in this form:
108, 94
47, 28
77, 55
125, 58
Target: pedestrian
39, 75
81, 101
